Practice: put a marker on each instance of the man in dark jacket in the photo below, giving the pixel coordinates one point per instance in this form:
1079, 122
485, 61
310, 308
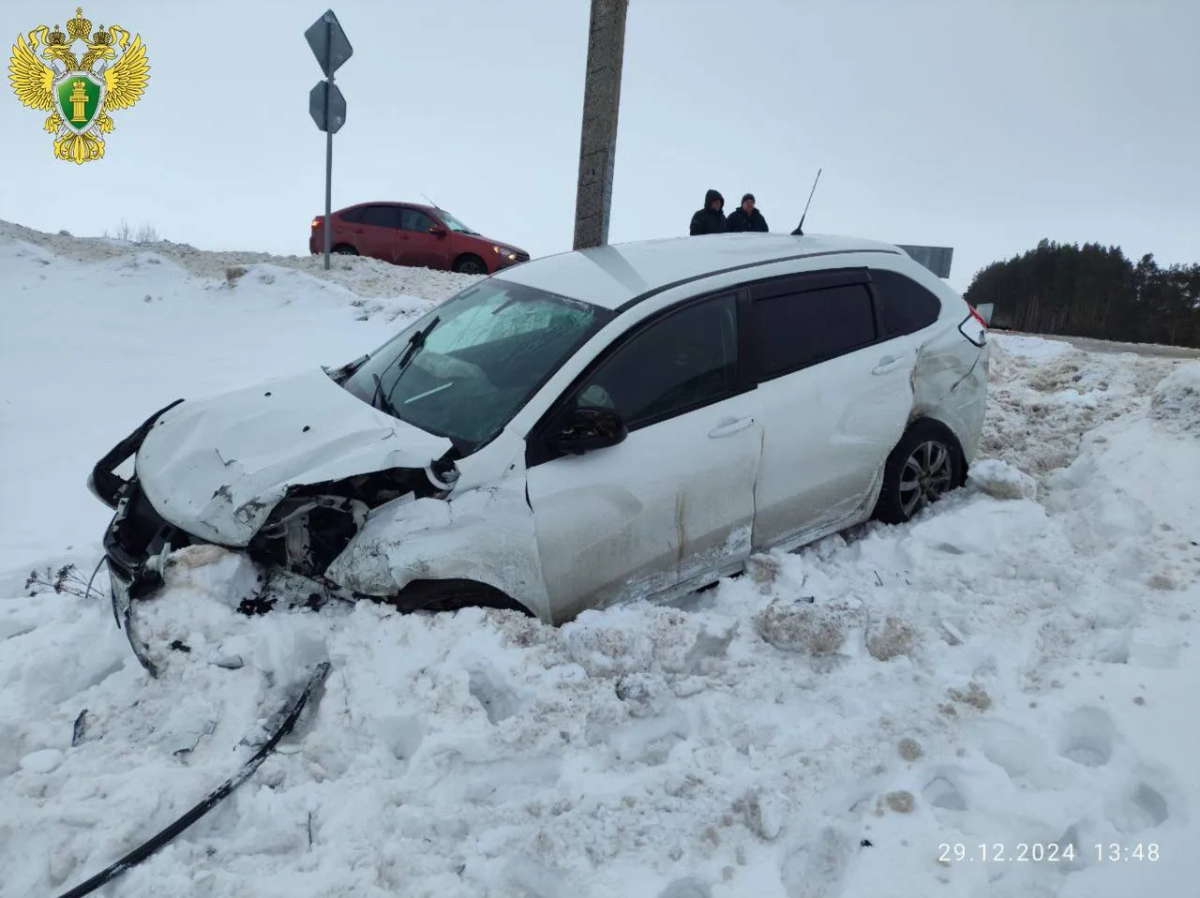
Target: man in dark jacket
710, 219
746, 217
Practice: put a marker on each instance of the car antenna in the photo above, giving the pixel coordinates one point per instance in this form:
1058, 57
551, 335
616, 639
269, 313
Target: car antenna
799, 232
431, 202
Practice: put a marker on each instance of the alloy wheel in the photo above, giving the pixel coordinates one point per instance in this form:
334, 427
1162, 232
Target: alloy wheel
928, 474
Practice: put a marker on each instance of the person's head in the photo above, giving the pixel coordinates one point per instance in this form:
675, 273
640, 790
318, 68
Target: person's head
713, 200
748, 203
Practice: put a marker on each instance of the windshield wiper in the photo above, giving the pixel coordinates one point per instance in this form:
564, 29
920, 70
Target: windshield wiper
416, 342
380, 401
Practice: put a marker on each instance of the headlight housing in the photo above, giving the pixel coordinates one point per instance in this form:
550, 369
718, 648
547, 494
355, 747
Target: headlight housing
505, 253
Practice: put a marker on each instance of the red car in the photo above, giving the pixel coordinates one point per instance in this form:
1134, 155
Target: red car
410, 234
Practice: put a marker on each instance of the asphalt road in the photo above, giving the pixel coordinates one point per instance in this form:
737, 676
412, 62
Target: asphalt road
1149, 350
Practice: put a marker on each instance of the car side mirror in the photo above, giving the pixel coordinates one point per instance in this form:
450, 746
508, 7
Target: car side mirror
588, 428
437, 230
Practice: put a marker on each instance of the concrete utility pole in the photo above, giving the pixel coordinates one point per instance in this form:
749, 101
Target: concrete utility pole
601, 103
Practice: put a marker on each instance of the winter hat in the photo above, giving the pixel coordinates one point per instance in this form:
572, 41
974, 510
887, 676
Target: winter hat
750, 197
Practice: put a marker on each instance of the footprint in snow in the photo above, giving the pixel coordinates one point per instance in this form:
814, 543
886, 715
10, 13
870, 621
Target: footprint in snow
498, 700
818, 869
1087, 737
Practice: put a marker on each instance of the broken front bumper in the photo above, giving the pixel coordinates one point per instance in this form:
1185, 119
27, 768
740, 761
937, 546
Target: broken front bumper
138, 540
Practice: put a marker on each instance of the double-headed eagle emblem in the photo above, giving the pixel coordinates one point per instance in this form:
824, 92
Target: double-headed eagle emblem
78, 92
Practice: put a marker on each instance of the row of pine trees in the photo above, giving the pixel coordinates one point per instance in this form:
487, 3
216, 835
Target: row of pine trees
1092, 291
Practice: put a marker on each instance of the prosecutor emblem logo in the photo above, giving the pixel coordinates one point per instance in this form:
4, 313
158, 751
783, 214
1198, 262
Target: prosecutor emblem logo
79, 92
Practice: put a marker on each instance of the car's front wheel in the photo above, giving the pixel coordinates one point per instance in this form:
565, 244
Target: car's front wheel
926, 464
469, 264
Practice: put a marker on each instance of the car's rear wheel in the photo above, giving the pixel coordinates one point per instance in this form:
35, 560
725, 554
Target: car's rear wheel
344, 249
453, 595
926, 464
469, 264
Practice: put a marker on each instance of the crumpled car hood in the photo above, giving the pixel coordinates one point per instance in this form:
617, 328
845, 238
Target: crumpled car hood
217, 467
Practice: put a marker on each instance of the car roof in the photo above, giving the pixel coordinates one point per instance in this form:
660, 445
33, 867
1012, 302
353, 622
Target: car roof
420, 206
614, 275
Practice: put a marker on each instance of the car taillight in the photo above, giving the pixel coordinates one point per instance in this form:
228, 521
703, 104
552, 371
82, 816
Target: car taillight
974, 327
316, 223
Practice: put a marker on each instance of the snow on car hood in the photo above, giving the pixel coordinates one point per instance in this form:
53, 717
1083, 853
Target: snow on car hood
217, 467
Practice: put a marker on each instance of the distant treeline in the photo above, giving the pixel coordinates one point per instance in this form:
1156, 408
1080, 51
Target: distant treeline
1092, 291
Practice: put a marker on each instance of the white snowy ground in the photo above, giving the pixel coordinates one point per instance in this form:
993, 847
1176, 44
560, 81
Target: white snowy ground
1019, 666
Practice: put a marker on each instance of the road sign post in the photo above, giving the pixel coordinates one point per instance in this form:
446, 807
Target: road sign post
326, 104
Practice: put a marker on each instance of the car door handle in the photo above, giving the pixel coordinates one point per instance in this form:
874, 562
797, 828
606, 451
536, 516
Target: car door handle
730, 426
888, 363
359, 231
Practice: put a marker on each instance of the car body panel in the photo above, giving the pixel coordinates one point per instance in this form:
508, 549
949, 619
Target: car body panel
624, 522
829, 429
217, 467
484, 534
950, 377
417, 247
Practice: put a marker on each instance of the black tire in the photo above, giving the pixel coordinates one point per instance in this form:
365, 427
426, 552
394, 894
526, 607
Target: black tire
926, 464
469, 264
344, 249
453, 595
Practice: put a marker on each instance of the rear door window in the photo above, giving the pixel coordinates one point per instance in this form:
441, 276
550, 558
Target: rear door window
905, 306
353, 216
381, 216
796, 330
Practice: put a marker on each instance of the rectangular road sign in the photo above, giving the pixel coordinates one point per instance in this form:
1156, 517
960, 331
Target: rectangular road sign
936, 258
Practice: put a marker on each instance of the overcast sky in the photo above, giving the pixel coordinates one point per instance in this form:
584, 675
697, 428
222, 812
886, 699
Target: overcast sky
980, 125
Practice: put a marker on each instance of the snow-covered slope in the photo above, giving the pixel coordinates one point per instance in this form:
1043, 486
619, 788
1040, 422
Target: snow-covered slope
878, 715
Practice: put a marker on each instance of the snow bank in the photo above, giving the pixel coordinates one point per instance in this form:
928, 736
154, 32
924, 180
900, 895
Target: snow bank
1016, 666
1176, 400
360, 276
1036, 348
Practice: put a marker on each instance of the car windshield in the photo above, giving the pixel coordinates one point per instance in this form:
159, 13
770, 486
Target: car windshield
469, 365
454, 224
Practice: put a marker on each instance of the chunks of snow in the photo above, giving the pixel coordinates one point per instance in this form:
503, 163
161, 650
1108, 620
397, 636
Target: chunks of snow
1001, 481
1175, 402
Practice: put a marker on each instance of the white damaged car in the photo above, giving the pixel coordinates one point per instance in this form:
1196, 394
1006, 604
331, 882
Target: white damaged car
632, 421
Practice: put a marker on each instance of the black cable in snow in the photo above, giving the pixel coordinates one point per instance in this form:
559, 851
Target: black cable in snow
210, 801
88, 592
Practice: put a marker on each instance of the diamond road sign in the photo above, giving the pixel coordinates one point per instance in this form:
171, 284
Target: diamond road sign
328, 118
329, 43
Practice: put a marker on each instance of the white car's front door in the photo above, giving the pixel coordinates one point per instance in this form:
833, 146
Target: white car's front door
671, 507
834, 402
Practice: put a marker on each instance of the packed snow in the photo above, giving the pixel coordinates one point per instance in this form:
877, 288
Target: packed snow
894, 711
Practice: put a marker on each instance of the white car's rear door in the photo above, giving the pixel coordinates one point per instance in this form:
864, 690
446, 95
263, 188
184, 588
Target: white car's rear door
834, 401
671, 507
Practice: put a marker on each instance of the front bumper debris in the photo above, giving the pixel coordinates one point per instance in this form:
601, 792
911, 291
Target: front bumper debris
137, 540
136, 546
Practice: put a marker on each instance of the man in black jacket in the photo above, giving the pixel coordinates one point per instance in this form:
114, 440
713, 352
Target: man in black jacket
710, 219
746, 217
